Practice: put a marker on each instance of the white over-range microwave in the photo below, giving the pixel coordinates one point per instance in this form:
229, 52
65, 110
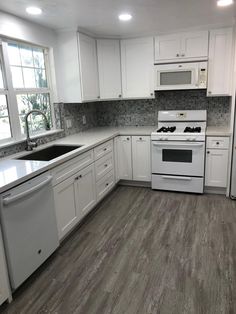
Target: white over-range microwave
181, 76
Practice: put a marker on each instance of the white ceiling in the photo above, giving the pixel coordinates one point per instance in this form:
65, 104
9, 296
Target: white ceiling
100, 17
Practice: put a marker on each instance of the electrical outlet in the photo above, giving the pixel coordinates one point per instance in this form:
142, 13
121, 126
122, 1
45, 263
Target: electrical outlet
68, 123
84, 119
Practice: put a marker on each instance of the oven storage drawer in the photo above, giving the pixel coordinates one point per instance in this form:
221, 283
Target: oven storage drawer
177, 183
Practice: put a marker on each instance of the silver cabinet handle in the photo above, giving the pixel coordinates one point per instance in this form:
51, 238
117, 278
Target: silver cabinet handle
9, 200
177, 55
177, 178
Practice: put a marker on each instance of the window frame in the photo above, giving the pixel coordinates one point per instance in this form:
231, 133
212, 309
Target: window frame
11, 92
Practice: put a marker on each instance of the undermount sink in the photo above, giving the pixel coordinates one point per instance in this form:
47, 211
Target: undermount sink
50, 152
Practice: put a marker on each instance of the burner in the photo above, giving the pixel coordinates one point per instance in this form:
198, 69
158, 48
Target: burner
169, 129
189, 129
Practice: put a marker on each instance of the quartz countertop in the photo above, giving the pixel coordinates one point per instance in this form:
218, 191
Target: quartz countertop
218, 131
14, 172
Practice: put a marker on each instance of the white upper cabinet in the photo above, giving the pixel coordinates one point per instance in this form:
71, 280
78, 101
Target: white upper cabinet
220, 62
181, 47
109, 68
88, 68
137, 59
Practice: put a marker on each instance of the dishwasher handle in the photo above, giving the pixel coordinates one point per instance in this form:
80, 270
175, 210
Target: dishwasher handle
9, 200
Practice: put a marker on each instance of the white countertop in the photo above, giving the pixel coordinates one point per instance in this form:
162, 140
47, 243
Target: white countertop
218, 131
14, 172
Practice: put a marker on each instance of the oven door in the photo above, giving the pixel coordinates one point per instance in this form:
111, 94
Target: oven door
178, 158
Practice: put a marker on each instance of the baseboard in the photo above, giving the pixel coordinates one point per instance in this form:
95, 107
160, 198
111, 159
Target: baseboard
135, 183
215, 190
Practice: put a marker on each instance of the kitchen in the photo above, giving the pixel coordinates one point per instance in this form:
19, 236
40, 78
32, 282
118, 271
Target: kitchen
117, 164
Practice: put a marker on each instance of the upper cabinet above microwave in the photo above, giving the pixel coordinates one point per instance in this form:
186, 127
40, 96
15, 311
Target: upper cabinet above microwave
181, 47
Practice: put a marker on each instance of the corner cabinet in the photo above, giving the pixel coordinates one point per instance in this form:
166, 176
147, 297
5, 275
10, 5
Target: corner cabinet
88, 68
220, 62
137, 59
109, 68
181, 47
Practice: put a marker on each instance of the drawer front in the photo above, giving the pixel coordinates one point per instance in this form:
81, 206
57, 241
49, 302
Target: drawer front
103, 166
72, 166
105, 184
177, 183
103, 149
218, 142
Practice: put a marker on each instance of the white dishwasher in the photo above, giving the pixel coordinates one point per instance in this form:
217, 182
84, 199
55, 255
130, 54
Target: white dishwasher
29, 226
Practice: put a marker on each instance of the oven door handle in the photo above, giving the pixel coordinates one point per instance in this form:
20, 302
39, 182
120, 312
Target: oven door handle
178, 144
177, 178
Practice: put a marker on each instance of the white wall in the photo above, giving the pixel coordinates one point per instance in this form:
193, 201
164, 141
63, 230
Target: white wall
16, 28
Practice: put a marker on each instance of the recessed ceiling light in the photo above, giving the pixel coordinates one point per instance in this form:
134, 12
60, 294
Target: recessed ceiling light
34, 10
125, 17
224, 3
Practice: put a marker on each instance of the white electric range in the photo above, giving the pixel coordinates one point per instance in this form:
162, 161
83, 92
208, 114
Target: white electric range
178, 151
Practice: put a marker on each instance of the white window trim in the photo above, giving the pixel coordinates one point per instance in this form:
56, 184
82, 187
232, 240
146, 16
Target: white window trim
12, 92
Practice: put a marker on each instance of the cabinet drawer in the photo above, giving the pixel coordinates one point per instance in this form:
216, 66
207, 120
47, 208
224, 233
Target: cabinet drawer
105, 184
70, 167
103, 149
103, 166
218, 142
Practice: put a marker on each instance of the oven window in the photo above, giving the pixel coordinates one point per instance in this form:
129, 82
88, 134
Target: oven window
176, 155
176, 78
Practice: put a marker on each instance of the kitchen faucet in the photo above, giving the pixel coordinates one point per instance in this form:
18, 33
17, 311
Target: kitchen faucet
29, 143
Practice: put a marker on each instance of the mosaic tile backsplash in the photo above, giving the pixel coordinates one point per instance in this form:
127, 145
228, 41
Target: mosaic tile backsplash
131, 112
145, 111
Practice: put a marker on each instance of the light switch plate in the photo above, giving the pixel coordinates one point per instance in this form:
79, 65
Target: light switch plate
84, 119
68, 123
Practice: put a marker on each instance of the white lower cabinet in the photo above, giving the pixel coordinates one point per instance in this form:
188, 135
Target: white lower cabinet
124, 158
105, 184
4, 283
85, 192
65, 204
217, 156
141, 158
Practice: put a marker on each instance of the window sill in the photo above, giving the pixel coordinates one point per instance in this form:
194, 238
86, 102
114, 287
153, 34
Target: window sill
14, 142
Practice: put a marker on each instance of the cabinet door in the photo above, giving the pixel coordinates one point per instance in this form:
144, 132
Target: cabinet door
137, 63
220, 62
124, 158
141, 158
216, 168
167, 47
194, 45
88, 68
85, 191
4, 284
64, 195
109, 68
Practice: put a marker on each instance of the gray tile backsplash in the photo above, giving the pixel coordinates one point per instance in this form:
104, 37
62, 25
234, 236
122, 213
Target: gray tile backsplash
145, 111
131, 112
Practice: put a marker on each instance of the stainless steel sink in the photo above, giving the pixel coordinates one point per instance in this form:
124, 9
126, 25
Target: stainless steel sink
50, 152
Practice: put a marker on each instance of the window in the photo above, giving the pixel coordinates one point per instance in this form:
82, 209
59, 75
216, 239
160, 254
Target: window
24, 86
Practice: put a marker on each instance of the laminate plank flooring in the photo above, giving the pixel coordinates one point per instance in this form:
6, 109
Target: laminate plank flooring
141, 252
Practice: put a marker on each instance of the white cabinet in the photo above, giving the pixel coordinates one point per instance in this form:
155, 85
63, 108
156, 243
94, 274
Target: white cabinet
220, 69
65, 204
109, 68
4, 283
181, 47
217, 156
124, 158
137, 59
141, 157
85, 191
88, 67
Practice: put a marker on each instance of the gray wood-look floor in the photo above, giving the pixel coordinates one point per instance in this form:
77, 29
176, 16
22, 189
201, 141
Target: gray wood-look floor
141, 252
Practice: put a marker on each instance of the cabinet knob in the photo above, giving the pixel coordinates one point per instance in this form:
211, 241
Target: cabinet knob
106, 165
183, 55
209, 93
120, 96
140, 138
105, 149
127, 138
98, 97
151, 94
217, 143
177, 54
107, 184
80, 176
208, 152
